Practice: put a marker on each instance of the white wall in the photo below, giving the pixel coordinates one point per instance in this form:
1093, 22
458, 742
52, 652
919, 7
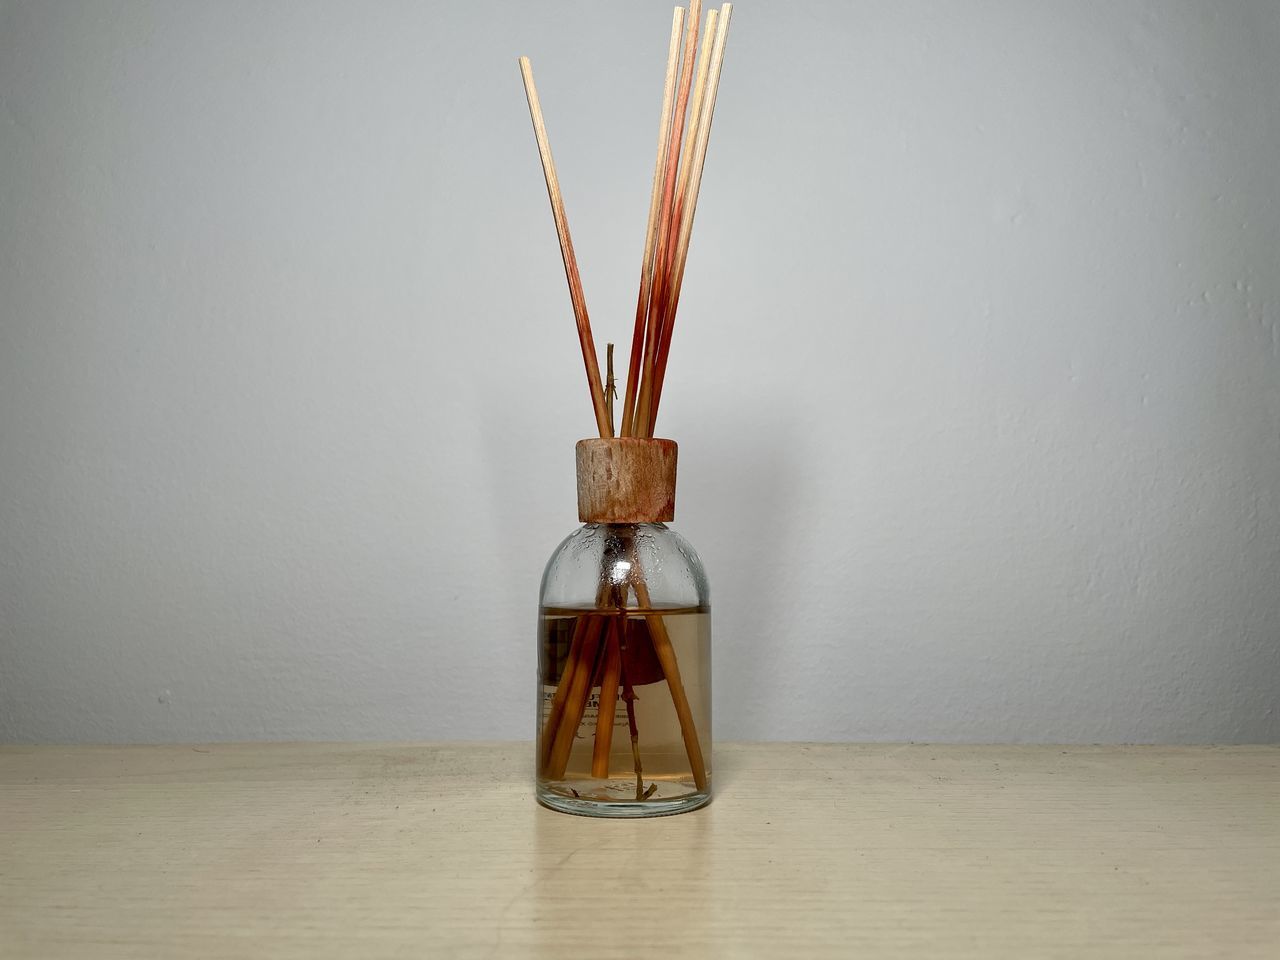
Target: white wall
976, 380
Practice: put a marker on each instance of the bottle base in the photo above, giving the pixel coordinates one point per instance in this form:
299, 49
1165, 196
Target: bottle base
620, 809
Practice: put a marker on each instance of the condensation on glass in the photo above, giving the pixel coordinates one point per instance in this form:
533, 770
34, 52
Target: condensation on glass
624, 674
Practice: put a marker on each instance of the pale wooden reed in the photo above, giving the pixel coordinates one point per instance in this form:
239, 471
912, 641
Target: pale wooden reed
667, 309
576, 701
556, 714
695, 113
651, 230
678, 150
566, 252
689, 206
671, 669
608, 700
577, 660
661, 277
610, 385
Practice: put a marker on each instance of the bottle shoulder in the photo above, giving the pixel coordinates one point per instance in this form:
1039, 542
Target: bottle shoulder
653, 564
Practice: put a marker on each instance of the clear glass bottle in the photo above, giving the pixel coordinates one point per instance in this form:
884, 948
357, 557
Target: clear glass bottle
624, 659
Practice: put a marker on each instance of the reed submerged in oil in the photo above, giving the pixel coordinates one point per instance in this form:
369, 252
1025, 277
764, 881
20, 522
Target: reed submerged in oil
627, 743
624, 671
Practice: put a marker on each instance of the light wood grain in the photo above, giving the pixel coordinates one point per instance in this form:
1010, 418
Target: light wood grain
689, 203
604, 423
651, 228
626, 479
366, 850
666, 225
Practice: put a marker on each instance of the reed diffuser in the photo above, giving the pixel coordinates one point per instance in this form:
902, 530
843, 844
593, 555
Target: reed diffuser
624, 652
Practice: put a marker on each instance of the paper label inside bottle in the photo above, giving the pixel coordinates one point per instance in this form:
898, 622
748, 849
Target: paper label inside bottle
587, 727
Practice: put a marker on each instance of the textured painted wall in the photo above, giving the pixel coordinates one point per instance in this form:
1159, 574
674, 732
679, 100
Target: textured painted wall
977, 383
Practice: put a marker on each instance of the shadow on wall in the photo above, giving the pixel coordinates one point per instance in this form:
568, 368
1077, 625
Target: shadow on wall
742, 488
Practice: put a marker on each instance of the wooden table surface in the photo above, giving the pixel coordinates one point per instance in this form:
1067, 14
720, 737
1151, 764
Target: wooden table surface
809, 850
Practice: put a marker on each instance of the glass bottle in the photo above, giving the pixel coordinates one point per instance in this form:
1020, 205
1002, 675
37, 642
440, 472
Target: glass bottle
624, 646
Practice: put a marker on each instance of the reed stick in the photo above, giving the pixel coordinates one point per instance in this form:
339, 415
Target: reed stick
671, 668
651, 230
686, 168
608, 701
589, 358
695, 112
556, 714
610, 386
682, 101
575, 701
573, 663
661, 273
689, 206
629, 698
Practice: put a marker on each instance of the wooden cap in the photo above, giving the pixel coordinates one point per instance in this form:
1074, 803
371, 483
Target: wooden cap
626, 480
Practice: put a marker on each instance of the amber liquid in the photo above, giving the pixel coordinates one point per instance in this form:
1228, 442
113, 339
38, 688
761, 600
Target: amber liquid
666, 771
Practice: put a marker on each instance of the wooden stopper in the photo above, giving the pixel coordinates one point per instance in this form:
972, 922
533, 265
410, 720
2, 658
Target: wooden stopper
626, 480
